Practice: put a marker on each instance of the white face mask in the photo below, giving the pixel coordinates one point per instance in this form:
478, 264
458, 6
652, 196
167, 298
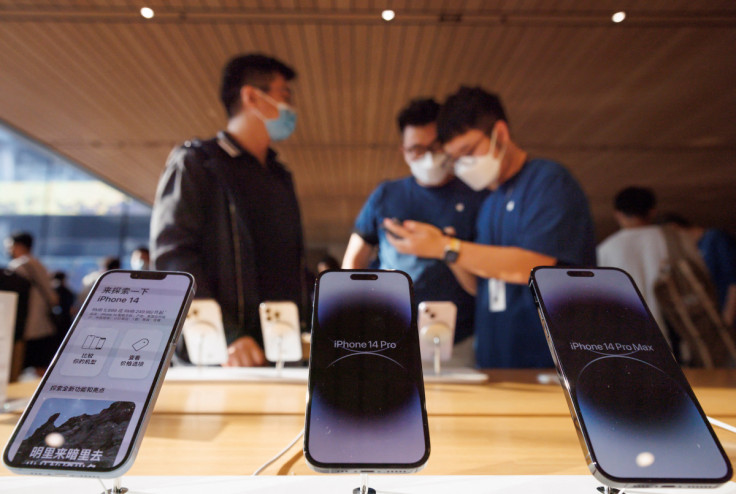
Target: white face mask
478, 172
430, 168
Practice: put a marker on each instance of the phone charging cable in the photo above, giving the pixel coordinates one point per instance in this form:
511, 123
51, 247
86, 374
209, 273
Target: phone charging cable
280, 454
722, 425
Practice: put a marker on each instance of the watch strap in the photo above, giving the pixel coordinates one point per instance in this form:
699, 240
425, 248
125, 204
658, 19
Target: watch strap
452, 250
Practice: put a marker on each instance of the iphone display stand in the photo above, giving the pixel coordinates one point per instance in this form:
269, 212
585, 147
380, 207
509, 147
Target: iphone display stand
204, 334
280, 329
282, 336
436, 333
364, 489
117, 488
604, 489
204, 331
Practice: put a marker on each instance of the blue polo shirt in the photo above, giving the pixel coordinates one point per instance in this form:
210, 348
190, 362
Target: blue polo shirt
719, 253
451, 205
542, 209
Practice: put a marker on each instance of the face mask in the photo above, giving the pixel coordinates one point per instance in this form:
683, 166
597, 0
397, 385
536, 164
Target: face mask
283, 126
478, 172
430, 168
138, 264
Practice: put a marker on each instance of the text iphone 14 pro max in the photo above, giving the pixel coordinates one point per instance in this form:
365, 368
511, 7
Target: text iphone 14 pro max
638, 421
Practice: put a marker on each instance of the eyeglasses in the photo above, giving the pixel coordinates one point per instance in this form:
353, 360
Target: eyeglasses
470, 150
419, 150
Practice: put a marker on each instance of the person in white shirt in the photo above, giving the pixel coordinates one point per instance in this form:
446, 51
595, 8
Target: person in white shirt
639, 247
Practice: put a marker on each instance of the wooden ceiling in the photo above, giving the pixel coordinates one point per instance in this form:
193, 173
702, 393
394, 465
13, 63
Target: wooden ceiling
650, 101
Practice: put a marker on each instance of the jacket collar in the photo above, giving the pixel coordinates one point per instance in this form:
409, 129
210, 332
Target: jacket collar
228, 144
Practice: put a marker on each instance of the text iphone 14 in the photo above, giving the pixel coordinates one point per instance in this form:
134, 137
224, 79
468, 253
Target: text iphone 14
366, 409
88, 414
638, 420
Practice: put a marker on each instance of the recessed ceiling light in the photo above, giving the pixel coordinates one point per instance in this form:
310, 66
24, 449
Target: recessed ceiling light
388, 15
147, 12
618, 17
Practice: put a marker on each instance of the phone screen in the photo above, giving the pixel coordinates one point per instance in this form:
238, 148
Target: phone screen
636, 410
88, 408
366, 405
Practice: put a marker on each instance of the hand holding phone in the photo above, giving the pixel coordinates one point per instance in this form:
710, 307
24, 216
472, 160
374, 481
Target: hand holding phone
637, 418
88, 414
391, 226
366, 408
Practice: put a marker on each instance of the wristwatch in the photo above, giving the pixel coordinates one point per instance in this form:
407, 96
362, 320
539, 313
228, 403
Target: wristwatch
452, 250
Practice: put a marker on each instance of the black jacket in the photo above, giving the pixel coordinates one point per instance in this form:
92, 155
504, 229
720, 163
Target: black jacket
195, 227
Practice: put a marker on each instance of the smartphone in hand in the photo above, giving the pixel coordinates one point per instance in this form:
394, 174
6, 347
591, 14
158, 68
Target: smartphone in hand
88, 414
366, 408
638, 420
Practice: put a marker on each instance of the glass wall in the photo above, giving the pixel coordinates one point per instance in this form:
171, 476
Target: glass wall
76, 219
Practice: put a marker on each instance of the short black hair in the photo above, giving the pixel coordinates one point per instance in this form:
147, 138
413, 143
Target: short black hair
142, 248
469, 108
253, 69
23, 238
109, 263
419, 112
635, 201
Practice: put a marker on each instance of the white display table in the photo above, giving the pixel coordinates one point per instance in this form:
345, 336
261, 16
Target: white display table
333, 484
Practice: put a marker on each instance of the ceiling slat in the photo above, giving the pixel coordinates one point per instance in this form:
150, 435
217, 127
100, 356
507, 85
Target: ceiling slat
649, 101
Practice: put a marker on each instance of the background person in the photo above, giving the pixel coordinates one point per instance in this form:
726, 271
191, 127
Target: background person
140, 259
63, 311
535, 215
226, 211
639, 246
105, 265
431, 194
40, 331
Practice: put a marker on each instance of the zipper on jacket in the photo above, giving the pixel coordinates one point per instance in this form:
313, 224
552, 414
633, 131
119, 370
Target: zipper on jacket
238, 266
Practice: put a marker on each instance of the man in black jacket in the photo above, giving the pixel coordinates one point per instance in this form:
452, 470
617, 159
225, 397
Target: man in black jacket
226, 210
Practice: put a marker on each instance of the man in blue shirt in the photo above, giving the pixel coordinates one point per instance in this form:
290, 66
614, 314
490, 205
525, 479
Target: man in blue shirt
432, 195
536, 215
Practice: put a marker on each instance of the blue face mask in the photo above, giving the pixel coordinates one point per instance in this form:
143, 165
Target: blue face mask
283, 126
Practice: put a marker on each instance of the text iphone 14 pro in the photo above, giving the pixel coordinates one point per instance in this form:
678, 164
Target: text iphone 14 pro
366, 410
88, 414
638, 421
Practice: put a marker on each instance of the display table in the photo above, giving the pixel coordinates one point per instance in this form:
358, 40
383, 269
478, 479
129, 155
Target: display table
509, 425
336, 484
